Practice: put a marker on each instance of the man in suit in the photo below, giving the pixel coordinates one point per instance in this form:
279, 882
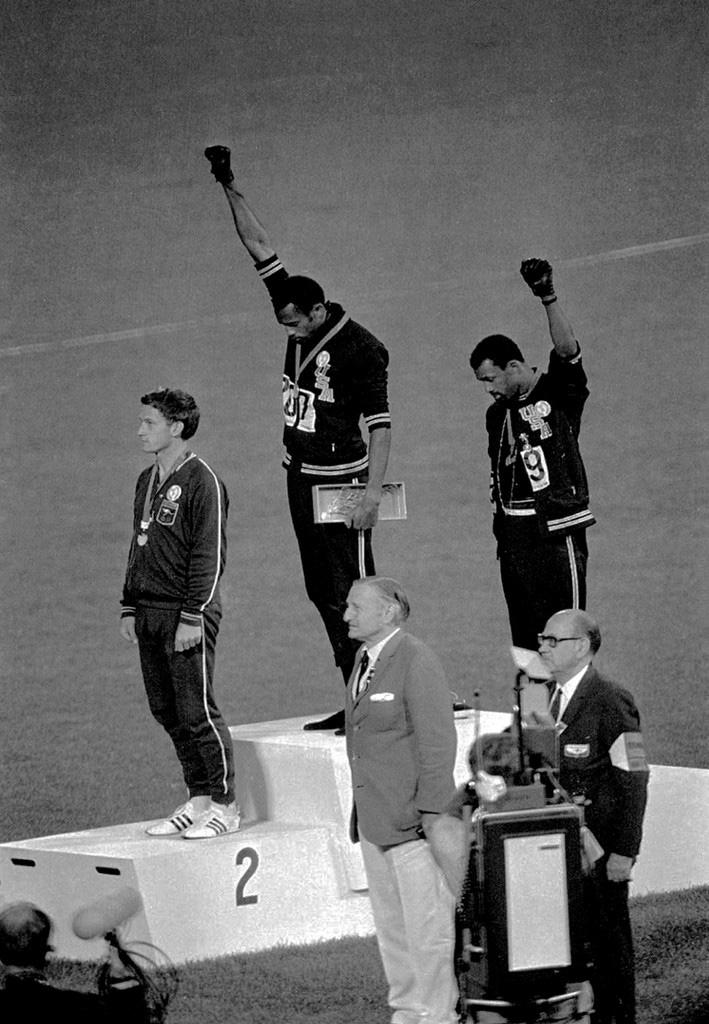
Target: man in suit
603, 768
401, 744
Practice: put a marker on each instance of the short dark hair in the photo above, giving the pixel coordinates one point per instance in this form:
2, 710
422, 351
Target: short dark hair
498, 348
303, 292
177, 407
24, 935
495, 753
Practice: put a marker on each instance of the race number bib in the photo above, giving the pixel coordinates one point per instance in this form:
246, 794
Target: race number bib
535, 465
298, 407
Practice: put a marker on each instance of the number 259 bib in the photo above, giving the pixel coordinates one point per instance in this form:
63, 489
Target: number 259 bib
535, 464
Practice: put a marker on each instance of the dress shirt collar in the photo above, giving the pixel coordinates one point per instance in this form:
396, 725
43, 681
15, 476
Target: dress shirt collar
376, 650
568, 689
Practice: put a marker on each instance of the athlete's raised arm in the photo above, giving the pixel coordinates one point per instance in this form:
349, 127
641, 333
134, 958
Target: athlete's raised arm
538, 275
249, 228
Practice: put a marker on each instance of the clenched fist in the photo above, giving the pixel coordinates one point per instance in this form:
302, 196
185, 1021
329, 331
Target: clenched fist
537, 274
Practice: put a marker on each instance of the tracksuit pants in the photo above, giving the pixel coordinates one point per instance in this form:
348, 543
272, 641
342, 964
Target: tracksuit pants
333, 556
179, 687
540, 576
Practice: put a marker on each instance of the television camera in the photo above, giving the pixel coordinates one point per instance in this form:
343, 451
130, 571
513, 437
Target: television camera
520, 951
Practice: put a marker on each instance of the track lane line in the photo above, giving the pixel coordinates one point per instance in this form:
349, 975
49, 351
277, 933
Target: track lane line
228, 319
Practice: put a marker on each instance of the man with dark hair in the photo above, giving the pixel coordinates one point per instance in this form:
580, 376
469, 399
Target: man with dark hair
335, 374
172, 610
538, 480
26, 995
603, 769
401, 745
296, 290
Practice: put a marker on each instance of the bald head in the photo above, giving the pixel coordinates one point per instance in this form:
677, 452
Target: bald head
569, 641
580, 623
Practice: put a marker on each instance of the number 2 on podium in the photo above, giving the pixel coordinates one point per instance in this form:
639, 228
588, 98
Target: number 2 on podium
249, 856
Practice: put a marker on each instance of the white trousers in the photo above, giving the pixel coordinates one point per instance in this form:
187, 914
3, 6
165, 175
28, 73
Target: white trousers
414, 915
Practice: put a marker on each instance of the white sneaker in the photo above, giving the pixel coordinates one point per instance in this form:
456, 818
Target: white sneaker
181, 819
216, 821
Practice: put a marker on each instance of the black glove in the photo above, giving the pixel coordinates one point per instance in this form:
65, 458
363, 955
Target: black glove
537, 274
220, 159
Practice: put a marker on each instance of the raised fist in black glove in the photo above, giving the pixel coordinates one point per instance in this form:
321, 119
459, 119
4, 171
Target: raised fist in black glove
220, 159
537, 274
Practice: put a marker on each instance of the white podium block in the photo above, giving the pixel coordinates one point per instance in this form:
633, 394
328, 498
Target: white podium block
268, 884
287, 774
291, 875
284, 774
673, 854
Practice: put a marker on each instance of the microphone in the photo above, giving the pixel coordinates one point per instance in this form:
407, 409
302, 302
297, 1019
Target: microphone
106, 913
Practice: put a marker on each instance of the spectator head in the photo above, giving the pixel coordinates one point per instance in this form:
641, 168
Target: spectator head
24, 935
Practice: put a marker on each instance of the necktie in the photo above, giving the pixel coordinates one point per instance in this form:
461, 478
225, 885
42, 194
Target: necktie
555, 705
360, 682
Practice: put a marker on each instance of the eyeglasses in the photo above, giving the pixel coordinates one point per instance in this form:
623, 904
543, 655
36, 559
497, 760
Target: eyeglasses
552, 641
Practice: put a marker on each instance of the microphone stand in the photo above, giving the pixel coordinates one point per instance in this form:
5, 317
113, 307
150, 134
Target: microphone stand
517, 711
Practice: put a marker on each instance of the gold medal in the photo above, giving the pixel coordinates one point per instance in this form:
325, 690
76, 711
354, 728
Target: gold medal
142, 539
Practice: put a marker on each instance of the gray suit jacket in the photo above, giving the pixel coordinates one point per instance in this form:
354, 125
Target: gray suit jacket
401, 743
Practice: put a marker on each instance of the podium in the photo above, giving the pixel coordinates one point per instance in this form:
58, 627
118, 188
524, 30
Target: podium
291, 875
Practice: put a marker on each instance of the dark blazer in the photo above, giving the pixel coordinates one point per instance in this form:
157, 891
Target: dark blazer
602, 758
401, 742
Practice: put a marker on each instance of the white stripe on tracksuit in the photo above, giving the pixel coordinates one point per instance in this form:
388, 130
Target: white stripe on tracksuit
205, 705
217, 573
360, 554
573, 572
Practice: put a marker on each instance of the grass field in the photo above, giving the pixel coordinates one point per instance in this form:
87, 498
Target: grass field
409, 155
342, 981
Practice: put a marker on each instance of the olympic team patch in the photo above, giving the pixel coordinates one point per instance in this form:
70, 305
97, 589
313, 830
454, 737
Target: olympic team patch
167, 513
628, 753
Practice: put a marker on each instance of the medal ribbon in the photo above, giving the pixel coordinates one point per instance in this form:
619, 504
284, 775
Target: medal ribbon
311, 355
147, 516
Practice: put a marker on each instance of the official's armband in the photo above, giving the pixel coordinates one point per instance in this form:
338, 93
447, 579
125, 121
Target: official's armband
628, 753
